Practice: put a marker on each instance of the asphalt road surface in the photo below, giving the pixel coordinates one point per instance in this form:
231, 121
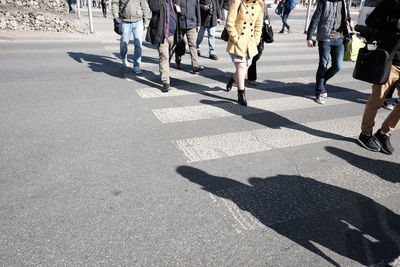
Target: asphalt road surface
98, 167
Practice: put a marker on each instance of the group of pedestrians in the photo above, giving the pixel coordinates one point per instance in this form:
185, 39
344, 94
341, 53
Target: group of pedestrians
244, 23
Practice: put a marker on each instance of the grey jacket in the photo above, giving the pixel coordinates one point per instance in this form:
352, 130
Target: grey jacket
324, 18
135, 10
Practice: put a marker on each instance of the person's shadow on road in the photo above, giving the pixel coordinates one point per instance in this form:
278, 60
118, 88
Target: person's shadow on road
268, 118
99, 63
386, 170
312, 214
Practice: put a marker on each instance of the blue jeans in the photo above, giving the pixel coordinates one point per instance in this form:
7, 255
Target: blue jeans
285, 16
224, 14
211, 38
127, 29
333, 48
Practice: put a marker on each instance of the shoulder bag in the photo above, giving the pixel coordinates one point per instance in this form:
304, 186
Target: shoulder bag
374, 66
224, 33
117, 22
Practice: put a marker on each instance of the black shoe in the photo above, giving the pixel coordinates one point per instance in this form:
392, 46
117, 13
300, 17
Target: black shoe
178, 65
229, 84
282, 31
165, 87
369, 142
288, 30
384, 141
242, 98
389, 104
198, 53
213, 57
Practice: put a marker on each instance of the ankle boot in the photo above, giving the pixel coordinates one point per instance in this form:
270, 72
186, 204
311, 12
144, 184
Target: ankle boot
242, 98
229, 84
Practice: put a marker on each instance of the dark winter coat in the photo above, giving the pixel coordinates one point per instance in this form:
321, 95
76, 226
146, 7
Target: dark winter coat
209, 17
290, 4
324, 18
225, 4
155, 32
385, 18
190, 14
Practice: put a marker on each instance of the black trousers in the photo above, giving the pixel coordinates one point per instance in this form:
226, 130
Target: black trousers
252, 70
389, 94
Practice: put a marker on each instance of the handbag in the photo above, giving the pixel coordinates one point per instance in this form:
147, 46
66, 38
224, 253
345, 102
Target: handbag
352, 47
279, 8
267, 33
117, 22
180, 48
374, 66
224, 33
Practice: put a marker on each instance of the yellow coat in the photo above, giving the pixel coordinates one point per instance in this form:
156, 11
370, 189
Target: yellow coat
244, 25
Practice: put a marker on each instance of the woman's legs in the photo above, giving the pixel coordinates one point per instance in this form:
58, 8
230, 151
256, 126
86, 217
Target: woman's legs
240, 74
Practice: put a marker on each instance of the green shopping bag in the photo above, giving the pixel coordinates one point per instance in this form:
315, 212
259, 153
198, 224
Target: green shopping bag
352, 48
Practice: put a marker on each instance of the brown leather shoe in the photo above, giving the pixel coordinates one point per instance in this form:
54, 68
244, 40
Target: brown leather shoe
197, 69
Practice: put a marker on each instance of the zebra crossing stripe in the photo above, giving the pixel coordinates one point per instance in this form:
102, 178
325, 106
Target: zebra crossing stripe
227, 109
262, 69
252, 141
148, 92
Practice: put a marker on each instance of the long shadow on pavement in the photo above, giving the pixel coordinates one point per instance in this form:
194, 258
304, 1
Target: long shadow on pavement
386, 170
270, 119
312, 214
99, 63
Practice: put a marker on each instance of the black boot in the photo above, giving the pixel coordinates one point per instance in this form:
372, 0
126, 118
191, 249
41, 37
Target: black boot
242, 97
229, 84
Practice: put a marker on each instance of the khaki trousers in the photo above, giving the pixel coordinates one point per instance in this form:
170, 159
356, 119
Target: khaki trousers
191, 36
165, 52
375, 102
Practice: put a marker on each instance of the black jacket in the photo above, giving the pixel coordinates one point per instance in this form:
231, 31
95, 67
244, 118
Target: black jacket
155, 32
190, 14
385, 18
209, 17
225, 4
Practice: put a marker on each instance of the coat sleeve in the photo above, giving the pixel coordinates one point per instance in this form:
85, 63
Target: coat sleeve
115, 7
145, 11
198, 15
379, 18
258, 26
315, 19
231, 19
155, 5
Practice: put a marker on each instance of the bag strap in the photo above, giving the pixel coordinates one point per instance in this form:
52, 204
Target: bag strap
124, 7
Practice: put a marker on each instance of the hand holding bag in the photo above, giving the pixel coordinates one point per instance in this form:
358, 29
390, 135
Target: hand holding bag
374, 66
267, 33
117, 22
353, 47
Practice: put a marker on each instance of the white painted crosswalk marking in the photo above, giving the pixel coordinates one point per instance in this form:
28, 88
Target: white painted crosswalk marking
245, 142
149, 92
226, 109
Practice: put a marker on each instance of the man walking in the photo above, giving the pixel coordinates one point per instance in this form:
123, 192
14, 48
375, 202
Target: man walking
134, 18
189, 19
331, 18
210, 16
288, 6
161, 33
385, 18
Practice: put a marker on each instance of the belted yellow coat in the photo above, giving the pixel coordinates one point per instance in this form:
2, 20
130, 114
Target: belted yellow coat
244, 25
